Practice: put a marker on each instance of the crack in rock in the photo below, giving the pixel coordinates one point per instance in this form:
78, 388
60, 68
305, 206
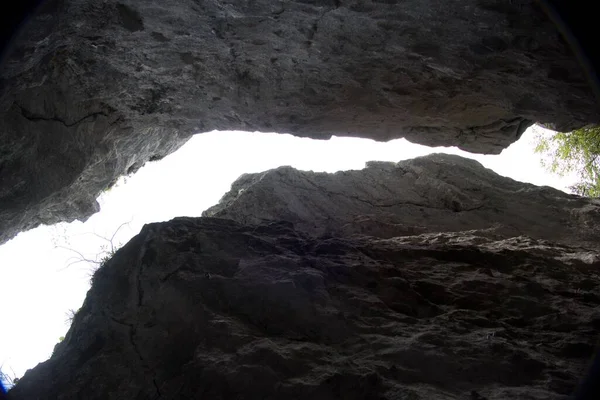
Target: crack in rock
33, 117
132, 333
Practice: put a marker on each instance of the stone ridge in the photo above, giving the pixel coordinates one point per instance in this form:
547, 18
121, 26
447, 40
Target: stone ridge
209, 308
94, 89
435, 193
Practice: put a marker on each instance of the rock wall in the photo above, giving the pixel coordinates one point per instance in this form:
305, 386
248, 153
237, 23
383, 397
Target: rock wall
94, 89
212, 308
435, 193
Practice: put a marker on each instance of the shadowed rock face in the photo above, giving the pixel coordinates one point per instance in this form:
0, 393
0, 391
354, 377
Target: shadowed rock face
212, 308
440, 192
94, 89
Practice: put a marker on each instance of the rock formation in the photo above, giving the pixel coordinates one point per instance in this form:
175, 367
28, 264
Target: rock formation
94, 89
437, 193
277, 308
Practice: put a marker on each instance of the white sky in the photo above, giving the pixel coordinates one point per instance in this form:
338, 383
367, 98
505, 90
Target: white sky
37, 288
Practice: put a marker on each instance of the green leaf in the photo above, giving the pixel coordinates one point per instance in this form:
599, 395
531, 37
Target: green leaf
577, 151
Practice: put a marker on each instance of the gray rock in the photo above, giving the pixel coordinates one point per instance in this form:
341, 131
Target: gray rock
286, 315
435, 193
94, 89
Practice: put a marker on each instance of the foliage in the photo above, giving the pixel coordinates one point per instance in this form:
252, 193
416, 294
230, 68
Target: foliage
71, 314
574, 152
7, 381
107, 251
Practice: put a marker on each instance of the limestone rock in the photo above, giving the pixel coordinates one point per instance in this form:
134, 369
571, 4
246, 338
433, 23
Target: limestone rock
274, 306
435, 193
208, 308
94, 89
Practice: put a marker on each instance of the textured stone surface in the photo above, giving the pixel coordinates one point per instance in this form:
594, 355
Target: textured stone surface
439, 192
208, 308
213, 308
94, 89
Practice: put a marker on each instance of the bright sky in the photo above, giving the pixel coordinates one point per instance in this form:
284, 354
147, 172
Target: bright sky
38, 286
